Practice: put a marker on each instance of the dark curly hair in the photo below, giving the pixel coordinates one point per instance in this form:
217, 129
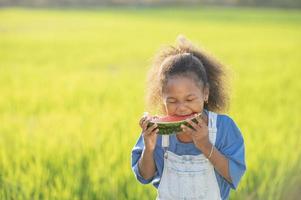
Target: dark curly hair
185, 59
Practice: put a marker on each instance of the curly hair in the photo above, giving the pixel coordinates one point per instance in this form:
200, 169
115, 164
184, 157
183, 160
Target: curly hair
185, 59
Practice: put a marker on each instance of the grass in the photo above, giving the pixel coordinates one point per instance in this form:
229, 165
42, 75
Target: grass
72, 91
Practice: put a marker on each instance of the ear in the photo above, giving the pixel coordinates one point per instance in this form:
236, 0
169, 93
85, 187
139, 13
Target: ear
206, 93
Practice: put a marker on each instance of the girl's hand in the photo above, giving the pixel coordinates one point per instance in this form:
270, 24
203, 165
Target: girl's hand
199, 133
149, 134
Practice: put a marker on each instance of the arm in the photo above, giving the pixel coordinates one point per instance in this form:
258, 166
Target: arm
230, 163
146, 164
218, 160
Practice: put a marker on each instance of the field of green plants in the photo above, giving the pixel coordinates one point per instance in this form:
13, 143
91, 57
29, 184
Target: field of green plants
72, 85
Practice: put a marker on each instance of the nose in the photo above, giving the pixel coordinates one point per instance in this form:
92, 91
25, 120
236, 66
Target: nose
182, 108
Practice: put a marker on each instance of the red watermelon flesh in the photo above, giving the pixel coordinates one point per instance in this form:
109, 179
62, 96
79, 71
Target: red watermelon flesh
172, 118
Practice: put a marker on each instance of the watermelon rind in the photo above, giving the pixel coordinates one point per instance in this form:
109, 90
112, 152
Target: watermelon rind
170, 128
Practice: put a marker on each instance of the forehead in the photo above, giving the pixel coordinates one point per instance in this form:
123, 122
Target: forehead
179, 86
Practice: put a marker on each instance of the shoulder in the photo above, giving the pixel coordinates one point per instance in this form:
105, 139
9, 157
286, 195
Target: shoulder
224, 120
227, 127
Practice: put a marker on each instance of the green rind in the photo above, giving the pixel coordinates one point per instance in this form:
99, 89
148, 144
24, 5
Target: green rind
169, 128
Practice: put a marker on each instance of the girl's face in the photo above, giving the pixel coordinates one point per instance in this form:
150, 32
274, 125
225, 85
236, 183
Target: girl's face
183, 96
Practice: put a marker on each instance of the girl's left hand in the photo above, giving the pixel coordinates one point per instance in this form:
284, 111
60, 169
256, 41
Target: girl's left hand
199, 133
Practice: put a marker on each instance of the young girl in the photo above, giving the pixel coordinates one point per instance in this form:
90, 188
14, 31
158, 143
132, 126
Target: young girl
202, 161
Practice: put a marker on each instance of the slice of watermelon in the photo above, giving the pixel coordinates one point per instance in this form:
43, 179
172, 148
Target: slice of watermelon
172, 124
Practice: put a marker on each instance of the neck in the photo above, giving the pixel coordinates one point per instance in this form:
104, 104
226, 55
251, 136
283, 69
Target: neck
184, 137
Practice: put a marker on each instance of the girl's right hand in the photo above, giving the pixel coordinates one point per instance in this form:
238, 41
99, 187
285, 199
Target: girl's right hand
149, 134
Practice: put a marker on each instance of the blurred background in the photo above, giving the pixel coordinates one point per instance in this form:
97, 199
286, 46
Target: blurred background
258, 3
72, 85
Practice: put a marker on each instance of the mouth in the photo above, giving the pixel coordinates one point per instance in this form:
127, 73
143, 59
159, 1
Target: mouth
186, 115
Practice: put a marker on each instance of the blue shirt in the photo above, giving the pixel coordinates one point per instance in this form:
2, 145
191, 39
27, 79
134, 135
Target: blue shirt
229, 142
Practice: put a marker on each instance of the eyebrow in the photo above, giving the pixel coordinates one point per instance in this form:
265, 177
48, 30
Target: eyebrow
186, 96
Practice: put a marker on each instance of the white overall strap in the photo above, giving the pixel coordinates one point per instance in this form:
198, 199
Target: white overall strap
165, 144
212, 119
165, 141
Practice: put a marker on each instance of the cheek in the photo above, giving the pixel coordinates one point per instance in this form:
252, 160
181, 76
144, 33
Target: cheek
198, 107
170, 109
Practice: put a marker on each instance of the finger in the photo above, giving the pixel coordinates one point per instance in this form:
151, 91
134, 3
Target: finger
201, 121
151, 129
144, 117
186, 129
142, 120
194, 125
154, 132
144, 124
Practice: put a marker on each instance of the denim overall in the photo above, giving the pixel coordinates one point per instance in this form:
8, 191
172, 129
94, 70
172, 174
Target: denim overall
189, 176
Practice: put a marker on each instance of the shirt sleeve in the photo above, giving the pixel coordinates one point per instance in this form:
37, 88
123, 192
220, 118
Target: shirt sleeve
233, 148
136, 154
